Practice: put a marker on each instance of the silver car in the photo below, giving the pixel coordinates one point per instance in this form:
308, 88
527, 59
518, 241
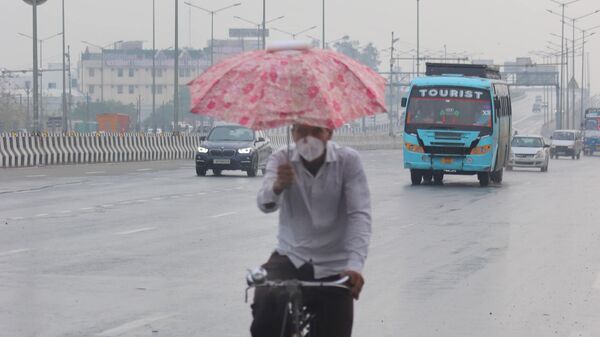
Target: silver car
529, 151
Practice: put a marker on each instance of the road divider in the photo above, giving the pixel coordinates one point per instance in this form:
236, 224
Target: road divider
24, 150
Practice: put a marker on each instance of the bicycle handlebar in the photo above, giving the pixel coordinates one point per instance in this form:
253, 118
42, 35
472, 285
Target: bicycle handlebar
258, 278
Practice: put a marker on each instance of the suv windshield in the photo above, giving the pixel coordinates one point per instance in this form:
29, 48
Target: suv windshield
561, 135
231, 133
527, 142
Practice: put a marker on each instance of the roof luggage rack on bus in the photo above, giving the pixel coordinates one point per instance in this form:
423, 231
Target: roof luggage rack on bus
472, 70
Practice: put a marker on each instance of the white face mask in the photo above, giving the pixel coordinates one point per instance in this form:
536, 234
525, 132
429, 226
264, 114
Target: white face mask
310, 148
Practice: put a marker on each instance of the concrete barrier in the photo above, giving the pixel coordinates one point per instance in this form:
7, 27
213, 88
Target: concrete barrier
56, 149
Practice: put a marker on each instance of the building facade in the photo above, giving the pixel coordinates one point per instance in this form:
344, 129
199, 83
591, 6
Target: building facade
124, 74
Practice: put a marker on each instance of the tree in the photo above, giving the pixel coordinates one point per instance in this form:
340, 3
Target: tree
368, 55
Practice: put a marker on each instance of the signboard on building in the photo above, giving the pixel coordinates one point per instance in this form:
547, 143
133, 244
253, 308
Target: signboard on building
242, 33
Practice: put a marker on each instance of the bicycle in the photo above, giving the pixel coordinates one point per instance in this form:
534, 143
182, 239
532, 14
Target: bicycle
300, 318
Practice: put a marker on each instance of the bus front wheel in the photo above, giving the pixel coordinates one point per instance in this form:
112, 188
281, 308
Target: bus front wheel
484, 178
416, 177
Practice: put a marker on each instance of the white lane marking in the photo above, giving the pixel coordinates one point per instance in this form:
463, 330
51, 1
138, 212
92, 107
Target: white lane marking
139, 230
157, 198
144, 170
65, 211
406, 226
188, 195
41, 215
597, 282
16, 218
14, 251
221, 215
201, 193
86, 209
141, 201
175, 197
119, 330
95, 172
36, 176
108, 205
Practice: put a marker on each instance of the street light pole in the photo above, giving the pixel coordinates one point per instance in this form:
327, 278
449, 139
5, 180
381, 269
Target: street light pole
323, 24
418, 38
258, 25
212, 14
64, 77
176, 77
154, 58
293, 35
264, 24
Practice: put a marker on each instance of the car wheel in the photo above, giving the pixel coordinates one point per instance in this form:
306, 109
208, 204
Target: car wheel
416, 177
509, 168
497, 176
438, 178
573, 157
200, 172
544, 169
578, 155
252, 172
264, 171
484, 178
427, 177
216, 172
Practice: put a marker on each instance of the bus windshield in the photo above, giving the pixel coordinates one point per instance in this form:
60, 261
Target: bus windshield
449, 108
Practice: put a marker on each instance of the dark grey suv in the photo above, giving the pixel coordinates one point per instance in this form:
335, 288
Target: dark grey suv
233, 147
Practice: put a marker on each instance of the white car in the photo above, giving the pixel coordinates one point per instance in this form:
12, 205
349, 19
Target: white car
529, 151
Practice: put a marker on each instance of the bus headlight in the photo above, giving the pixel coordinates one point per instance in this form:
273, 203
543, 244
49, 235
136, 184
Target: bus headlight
414, 148
481, 150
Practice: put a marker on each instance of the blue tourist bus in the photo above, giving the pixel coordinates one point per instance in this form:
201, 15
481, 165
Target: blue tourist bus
458, 121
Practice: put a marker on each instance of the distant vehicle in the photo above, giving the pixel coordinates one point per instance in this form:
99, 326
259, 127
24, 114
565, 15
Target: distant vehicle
529, 151
537, 107
538, 99
566, 143
233, 147
458, 121
113, 122
591, 129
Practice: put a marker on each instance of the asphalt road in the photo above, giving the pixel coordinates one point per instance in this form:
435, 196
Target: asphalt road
149, 249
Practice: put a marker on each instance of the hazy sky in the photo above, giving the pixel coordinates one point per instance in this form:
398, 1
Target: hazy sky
498, 29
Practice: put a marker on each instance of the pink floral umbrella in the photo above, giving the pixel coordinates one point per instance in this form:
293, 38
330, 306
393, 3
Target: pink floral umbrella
286, 85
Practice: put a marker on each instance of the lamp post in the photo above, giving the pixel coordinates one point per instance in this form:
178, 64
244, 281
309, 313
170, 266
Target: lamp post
573, 21
258, 25
64, 77
154, 58
176, 72
418, 37
102, 49
560, 101
36, 111
212, 24
38, 89
323, 26
293, 35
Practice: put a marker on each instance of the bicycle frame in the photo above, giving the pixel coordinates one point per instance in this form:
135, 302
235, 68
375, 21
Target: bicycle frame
300, 319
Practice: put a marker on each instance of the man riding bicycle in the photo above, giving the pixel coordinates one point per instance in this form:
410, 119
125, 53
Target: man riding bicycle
321, 192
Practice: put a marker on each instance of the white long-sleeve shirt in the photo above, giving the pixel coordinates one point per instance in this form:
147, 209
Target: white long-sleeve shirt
323, 219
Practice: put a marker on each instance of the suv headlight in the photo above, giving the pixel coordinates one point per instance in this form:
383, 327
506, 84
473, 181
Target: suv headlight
202, 149
539, 154
246, 150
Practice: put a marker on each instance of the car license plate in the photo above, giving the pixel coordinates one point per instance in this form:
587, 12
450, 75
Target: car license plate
447, 160
221, 161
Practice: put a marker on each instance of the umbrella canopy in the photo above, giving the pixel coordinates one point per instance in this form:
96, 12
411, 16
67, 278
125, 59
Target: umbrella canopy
278, 87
